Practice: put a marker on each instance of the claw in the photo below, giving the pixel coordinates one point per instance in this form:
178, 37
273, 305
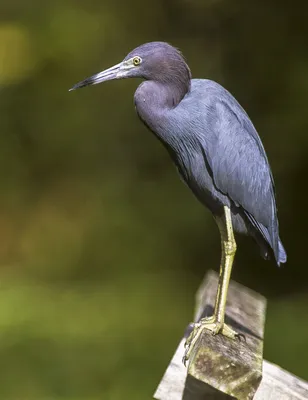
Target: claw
240, 337
212, 325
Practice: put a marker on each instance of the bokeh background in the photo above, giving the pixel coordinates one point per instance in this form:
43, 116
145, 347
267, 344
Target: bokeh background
101, 246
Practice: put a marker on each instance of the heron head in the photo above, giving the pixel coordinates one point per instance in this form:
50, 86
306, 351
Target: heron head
157, 61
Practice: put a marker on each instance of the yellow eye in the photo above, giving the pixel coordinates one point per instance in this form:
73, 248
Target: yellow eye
136, 60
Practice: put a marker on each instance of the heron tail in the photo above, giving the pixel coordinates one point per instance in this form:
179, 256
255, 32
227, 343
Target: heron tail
282, 257
272, 239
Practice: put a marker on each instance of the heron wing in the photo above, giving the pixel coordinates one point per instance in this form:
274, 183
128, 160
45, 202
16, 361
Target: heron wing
240, 167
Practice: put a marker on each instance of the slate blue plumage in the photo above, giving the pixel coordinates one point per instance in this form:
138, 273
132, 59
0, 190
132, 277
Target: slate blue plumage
216, 149
210, 138
212, 141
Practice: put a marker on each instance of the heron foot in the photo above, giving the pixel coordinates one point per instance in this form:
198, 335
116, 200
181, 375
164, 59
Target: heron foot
213, 325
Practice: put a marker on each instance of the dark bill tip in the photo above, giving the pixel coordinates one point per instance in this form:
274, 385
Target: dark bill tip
81, 84
107, 75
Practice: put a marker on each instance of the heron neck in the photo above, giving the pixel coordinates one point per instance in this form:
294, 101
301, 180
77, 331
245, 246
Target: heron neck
174, 92
171, 91
154, 103
152, 98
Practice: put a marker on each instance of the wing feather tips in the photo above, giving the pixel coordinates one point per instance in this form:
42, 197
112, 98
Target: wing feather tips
282, 255
270, 236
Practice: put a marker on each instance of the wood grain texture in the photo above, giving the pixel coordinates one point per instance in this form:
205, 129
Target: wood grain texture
224, 369
233, 367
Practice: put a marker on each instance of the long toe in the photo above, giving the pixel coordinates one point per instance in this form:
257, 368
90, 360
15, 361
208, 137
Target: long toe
209, 324
230, 333
205, 323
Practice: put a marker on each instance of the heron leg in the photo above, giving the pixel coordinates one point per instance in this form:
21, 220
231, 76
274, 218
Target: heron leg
215, 323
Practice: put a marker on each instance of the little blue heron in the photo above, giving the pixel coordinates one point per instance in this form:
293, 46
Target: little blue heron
216, 150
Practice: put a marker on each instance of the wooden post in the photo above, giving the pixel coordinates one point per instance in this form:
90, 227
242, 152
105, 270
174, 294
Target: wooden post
220, 368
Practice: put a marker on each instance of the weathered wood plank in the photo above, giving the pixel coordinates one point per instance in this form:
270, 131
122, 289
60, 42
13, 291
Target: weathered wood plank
276, 383
230, 366
280, 384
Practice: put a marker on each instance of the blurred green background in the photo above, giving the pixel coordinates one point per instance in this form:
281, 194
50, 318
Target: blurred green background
102, 247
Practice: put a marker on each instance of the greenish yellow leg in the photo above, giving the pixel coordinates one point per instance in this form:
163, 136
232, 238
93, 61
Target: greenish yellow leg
215, 323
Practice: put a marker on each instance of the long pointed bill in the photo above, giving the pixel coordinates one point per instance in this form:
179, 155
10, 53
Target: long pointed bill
107, 75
